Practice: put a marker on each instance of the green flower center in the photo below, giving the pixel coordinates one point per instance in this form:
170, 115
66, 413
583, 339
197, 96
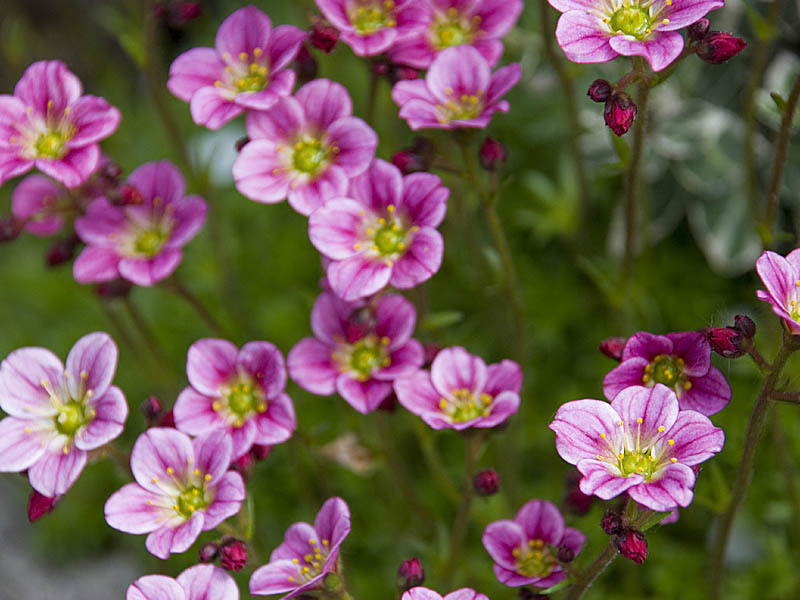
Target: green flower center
366, 357
369, 18
243, 398
149, 242
631, 20
452, 34
309, 156
71, 417
463, 406
639, 462
668, 370
465, 108
535, 560
794, 311
389, 239
51, 144
254, 82
190, 500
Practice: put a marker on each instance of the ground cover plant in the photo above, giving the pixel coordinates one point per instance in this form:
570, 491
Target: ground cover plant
346, 299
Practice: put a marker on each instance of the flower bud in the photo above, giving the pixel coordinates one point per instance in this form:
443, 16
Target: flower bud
575, 501
565, 554
62, 251
152, 410
401, 73
127, 195
10, 228
418, 157
725, 341
632, 544
611, 523
600, 90
410, 574
233, 555
697, 31
612, 347
717, 47
492, 154
167, 420
243, 465
745, 326
486, 483
116, 288
187, 11
208, 552
323, 36
429, 352
241, 143
305, 65
388, 404
620, 112
39, 505
260, 451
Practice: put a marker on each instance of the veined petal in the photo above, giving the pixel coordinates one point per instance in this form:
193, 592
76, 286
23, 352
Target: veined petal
672, 488
155, 451
582, 38
708, 395
228, 497
264, 362
645, 413
599, 480
155, 587
395, 319
22, 374
456, 369
311, 367
500, 539
243, 30
208, 582
336, 228
425, 199
660, 50
210, 363
580, 426
323, 102
457, 71
541, 520
133, 509
192, 70
95, 265
55, 471
111, 411
20, 445
421, 260
356, 277
695, 439
91, 364
212, 455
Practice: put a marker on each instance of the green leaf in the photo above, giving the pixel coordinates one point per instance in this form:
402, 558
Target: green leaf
441, 319
779, 101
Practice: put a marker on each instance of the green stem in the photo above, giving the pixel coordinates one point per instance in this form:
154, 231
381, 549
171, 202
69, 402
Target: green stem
781, 153
788, 397
431, 456
633, 176
758, 358
787, 467
588, 576
744, 473
144, 330
176, 286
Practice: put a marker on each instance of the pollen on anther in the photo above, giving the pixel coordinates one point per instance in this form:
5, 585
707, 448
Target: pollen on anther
170, 470
639, 420
603, 435
620, 423
673, 459
661, 429
390, 208
155, 479
356, 246
207, 477
671, 442
196, 471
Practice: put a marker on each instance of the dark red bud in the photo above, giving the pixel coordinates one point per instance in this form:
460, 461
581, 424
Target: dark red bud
187, 11
10, 228
430, 351
152, 410
167, 420
575, 501
209, 552
241, 143
62, 251
486, 483
39, 505
620, 112
407, 162
717, 47
565, 554
305, 65
323, 36
632, 544
116, 288
128, 194
418, 157
528, 594
697, 31
243, 465
410, 574
600, 90
233, 555
745, 325
492, 154
401, 73
389, 404
725, 341
611, 523
380, 68
260, 451
612, 347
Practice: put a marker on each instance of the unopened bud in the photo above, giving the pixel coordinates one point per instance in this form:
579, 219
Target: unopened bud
611, 523
260, 451
717, 47
528, 594
697, 31
243, 465
612, 347
62, 251
745, 325
166, 420
233, 555
575, 501
632, 544
241, 143
492, 154
725, 341
401, 73
389, 404
410, 574
620, 112
116, 288
323, 36
600, 90
128, 194
10, 228
486, 483
208, 552
187, 11
565, 554
152, 410
305, 65
429, 352
39, 505
418, 157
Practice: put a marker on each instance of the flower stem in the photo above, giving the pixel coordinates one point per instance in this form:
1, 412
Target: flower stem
788, 397
473, 440
176, 286
787, 466
744, 473
759, 359
633, 175
588, 576
426, 444
144, 330
489, 202
781, 153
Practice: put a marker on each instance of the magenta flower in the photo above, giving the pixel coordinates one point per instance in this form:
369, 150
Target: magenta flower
306, 554
41, 204
423, 593
182, 487
781, 277
370, 27
238, 391
459, 90
478, 23
200, 582
47, 123
525, 550
357, 352
245, 70
57, 415
139, 242
641, 443
306, 148
681, 361
592, 31
462, 391
383, 234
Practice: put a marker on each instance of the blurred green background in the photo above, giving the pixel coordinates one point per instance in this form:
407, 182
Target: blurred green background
258, 273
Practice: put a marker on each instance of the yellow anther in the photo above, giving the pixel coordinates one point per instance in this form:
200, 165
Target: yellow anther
192, 508
262, 407
299, 146
196, 472
257, 52
325, 542
381, 221
687, 385
312, 541
620, 423
515, 552
600, 457
207, 477
295, 561
170, 470
262, 71
27, 430
621, 455
84, 375
671, 442
375, 248
661, 429
189, 460
356, 246
385, 340
305, 570
242, 55
401, 246
391, 23
645, 378
228, 68
388, 263
155, 479
651, 458
390, 208
66, 449
149, 502
253, 67
665, 21
639, 420
238, 423
291, 578
603, 435
442, 403
216, 405
673, 459
67, 110
276, 171
196, 492
389, 3
175, 507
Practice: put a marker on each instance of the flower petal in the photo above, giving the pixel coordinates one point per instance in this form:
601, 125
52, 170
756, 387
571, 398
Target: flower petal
55, 471
21, 376
582, 38
672, 488
541, 520
192, 70
660, 50
421, 260
324, 101
456, 369
91, 364
311, 367
211, 363
111, 411
579, 425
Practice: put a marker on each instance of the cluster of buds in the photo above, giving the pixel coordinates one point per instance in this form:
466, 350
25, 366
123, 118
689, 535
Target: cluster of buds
733, 341
394, 72
417, 157
575, 501
620, 109
630, 542
714, 47
231, 553
323, 36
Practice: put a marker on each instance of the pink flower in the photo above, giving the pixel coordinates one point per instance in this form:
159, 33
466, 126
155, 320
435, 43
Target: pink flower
370, 27
459, 90
681, 361
40, 203
182, 487
47, 123
306, 554
140, 241
461, 391
200, 582
781, 277
56, 415
525, 550
306, 148
446, 23
423, 593
245, 71
357, 352
383, 234
641, 443
238, 391
592, 31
